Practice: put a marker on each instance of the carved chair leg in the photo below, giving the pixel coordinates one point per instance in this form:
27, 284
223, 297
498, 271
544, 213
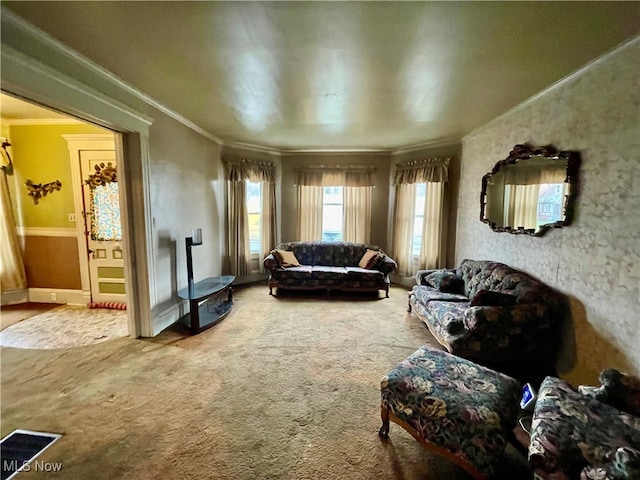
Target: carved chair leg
270, 290
409, 303
384, 429
387, 291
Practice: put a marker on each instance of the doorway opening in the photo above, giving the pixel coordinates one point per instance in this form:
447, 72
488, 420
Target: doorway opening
67, 257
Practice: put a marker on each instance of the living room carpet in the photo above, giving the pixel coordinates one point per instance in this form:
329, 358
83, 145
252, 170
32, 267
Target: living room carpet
286, 387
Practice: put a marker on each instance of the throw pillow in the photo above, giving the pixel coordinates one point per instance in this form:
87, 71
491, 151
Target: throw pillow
286, 258
445, 281
369, 259
489, 298
621, 390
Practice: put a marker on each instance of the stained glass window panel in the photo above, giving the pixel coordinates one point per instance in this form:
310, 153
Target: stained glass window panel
105, 221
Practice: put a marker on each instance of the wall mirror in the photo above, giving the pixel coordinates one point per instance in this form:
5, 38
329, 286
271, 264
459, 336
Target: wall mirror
529, 192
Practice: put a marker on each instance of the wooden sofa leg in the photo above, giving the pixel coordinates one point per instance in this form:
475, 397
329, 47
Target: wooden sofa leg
384, 429
270, 290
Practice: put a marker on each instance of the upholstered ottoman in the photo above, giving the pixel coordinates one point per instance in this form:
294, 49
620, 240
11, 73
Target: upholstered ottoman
453, 407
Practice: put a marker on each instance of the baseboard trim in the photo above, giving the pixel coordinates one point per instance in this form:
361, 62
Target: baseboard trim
59, 295
167, 317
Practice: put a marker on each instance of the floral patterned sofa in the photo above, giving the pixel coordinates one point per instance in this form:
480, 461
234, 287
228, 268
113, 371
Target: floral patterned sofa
330, 266
489, 312
591, 434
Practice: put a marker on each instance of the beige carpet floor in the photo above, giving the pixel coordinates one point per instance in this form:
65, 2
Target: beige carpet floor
284, 388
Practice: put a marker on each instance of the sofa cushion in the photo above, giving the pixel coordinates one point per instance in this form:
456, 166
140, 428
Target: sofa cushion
425, 294
303, 272
364, 274
487, 297
369, 259
445, 281
325, 272
286, 258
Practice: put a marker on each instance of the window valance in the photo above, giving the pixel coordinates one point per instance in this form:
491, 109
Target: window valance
239, 169
422, 171
336, 175
532, 173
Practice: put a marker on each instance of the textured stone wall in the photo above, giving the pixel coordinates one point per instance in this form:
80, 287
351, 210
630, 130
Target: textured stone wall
596, 260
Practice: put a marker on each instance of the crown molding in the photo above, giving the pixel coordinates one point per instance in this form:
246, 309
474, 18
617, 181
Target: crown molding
33, 33
443, 142
335, 151
253, 148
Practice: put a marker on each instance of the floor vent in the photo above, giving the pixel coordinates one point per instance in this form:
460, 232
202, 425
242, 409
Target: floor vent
19, 449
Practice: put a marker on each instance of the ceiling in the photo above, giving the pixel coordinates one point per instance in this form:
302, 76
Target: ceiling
338, 75
14, 109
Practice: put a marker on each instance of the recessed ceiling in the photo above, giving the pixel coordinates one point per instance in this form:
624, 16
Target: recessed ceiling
338, 75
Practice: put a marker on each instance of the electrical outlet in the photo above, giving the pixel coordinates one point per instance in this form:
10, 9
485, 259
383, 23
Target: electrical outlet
53, 297
72, 217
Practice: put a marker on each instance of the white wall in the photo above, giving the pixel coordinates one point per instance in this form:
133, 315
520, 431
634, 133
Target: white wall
186, 192
596, 260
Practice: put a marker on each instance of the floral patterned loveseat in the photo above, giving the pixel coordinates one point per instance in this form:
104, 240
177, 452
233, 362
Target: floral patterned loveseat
489, 312
329, 266
591, 434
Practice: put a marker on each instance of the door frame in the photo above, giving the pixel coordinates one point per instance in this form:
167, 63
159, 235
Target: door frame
76, 143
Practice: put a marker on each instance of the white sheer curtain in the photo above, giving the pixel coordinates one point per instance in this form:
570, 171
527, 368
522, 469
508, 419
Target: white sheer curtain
13, 276
434, 173
357, 182
403, 216
431, 250
309, 213
522, 205
238, 172
356, 218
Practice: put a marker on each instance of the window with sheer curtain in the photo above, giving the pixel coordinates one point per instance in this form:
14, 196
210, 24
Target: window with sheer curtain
418, 233
529, 206
251, 213
334, 203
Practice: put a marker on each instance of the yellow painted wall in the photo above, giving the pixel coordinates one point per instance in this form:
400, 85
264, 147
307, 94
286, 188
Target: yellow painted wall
40, 154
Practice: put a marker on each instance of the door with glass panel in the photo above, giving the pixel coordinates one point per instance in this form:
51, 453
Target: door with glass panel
102, 224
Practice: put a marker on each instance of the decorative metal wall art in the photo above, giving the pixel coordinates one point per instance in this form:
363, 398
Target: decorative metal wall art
39, 190
104, 174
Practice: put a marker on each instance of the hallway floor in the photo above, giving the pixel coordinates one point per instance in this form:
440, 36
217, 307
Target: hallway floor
61, 326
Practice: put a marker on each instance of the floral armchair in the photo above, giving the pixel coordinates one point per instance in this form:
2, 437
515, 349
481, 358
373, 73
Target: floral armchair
592, 433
